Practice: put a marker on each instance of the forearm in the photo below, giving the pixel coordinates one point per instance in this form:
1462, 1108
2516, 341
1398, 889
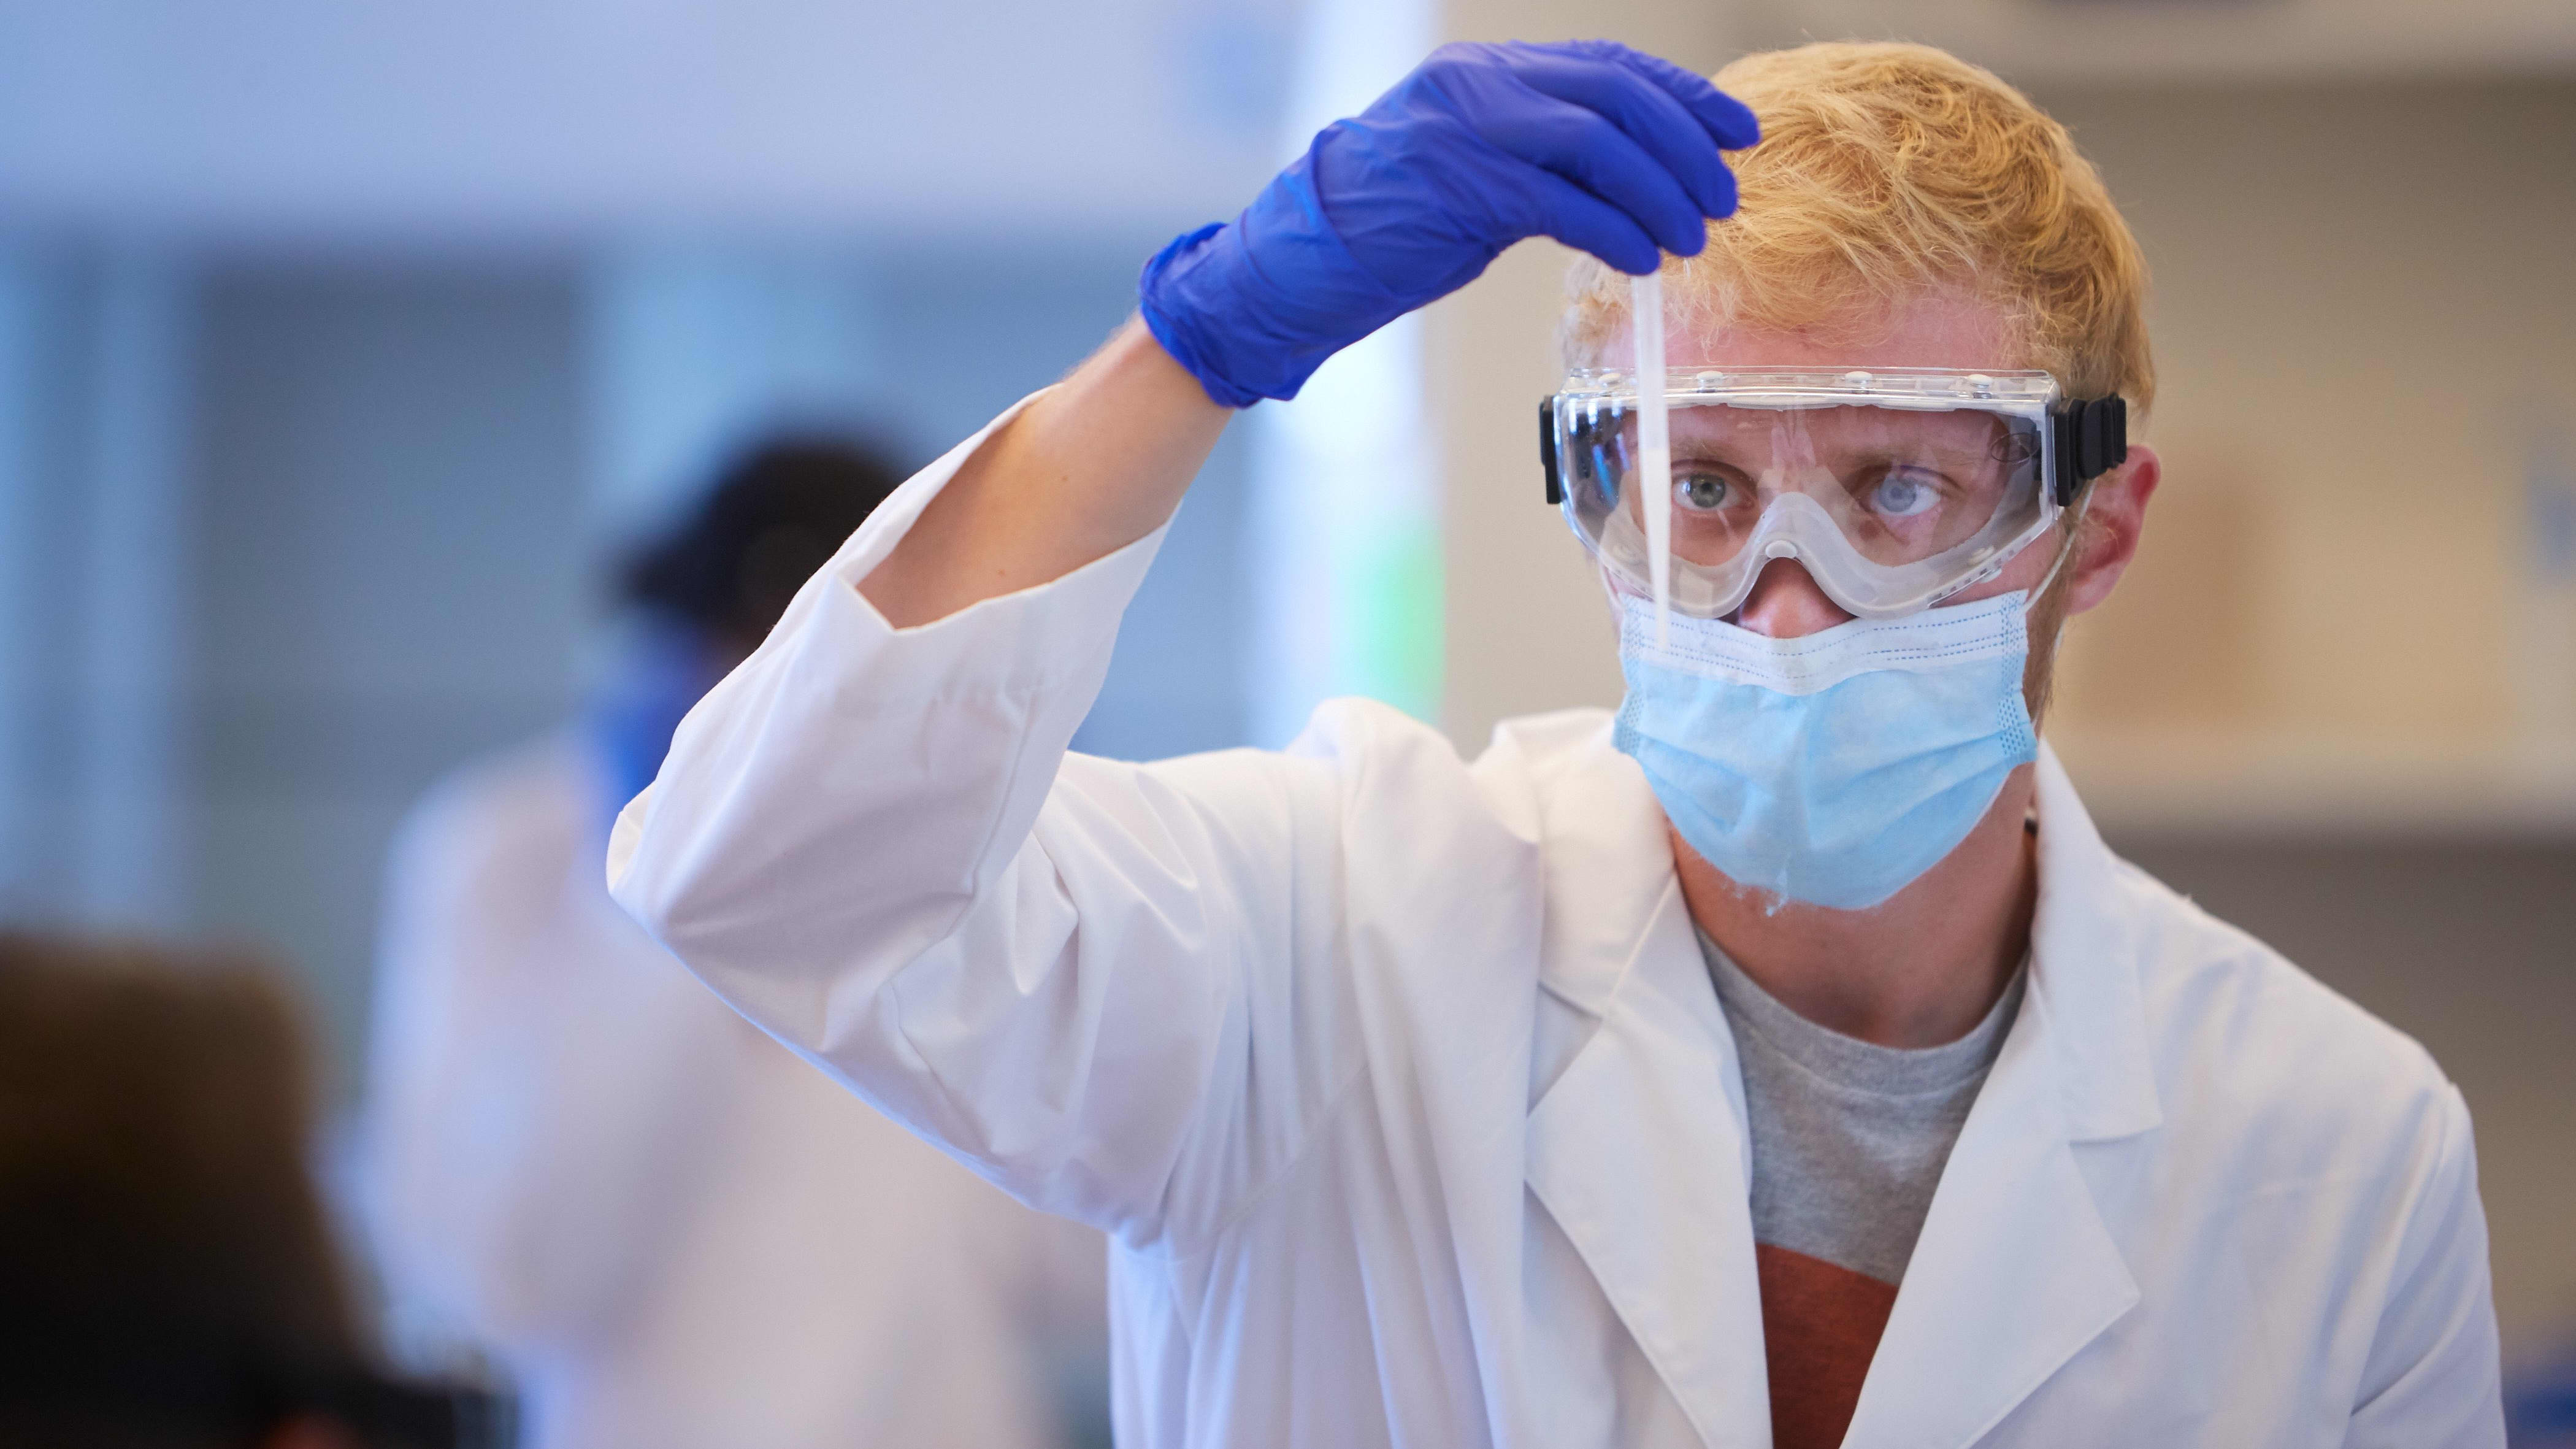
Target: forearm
1591, 143
1097, 463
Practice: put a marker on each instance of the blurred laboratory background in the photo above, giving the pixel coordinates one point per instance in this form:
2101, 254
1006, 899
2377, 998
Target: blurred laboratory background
345, 351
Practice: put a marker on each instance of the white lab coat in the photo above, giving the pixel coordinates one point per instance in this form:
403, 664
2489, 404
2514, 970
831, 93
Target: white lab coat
1401, 1086
674, 1234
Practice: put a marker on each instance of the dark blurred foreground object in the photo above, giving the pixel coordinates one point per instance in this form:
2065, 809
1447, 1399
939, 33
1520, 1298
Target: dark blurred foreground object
167, 1276
777, 513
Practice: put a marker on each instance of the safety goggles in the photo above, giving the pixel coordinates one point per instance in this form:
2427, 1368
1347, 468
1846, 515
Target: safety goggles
1894, 489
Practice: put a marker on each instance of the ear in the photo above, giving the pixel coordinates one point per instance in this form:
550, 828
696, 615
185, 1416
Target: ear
2113, 522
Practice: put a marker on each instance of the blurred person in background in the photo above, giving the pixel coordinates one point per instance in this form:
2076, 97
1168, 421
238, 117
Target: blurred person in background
167, 1275
666, 1227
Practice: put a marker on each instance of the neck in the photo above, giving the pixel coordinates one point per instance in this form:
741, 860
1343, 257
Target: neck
1916, 970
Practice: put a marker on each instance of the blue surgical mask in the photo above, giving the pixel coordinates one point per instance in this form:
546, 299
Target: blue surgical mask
1836, 767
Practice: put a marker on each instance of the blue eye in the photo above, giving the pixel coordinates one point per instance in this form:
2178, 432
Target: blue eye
1902, 495
1703, 492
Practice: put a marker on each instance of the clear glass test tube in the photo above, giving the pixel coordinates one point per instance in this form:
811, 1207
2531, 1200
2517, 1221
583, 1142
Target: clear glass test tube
1654, 442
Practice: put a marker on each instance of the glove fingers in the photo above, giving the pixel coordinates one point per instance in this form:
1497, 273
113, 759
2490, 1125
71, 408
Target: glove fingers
1586, 223
1579, 146
1729, 121
1647, 112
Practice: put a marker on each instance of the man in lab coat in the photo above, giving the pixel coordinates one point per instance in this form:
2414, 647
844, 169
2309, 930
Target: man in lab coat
1784, 1060
669, 1230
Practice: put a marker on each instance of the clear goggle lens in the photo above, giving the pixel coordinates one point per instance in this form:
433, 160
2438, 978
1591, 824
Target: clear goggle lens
1890, 503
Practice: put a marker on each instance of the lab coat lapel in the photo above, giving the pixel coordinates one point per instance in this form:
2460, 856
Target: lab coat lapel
2013, 1274
2015, 1271
1637, 1146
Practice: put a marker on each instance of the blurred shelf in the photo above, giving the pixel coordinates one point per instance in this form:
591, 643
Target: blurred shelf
2258, 784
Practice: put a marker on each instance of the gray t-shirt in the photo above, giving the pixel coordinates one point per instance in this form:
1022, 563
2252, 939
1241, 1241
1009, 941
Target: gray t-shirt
1849, 1138
1848, 1143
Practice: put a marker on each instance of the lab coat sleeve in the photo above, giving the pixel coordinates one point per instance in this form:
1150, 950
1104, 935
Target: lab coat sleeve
1078, 976
2432, 1377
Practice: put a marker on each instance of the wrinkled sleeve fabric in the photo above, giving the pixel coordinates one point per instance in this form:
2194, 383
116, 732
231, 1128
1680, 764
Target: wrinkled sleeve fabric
2432, 1377
1078, 976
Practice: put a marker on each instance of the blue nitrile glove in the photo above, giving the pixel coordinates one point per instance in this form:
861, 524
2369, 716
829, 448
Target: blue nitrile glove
1604, 148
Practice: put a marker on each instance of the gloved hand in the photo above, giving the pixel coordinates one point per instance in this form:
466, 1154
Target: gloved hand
1603, 148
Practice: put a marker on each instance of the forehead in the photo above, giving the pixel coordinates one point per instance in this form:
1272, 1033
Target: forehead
1929, 330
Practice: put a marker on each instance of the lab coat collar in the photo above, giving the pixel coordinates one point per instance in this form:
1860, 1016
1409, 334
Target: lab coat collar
1638, 1150
2015, 1271
2085, 958
1637, 1143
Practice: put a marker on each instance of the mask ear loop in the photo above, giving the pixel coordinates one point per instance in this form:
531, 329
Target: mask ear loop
2092, 439
2074, 534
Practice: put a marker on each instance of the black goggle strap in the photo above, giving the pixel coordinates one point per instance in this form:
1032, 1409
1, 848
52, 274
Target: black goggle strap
1547, 451
2091, 436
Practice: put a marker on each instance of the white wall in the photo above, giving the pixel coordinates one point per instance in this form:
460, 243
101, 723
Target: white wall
291, 118
2342, 616
2091, 42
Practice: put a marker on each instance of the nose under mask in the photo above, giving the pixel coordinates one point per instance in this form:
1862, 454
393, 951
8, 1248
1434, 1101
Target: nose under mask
1837, 767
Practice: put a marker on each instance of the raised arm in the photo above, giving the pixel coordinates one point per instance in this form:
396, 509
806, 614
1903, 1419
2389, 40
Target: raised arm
1092, 465
1594, 144
1110, 987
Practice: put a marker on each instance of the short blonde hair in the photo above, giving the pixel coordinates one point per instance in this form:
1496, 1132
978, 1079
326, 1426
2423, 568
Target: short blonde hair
1886, 171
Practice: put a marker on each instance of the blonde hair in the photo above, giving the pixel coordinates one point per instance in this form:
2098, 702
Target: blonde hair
1887, 171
